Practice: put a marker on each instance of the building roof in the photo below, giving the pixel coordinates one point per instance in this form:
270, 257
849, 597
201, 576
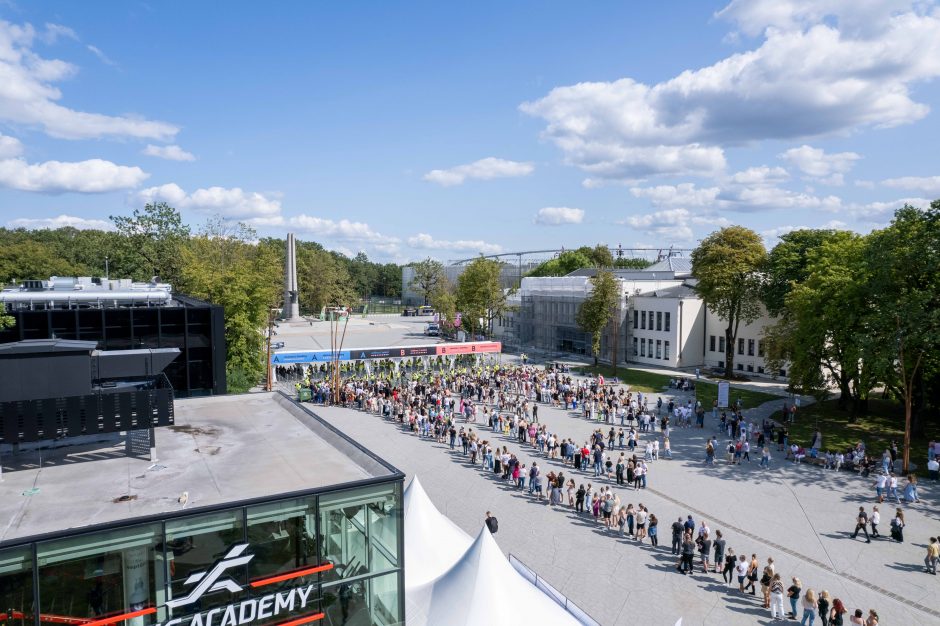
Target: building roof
676, 291
28, 346
222, 450
677, 264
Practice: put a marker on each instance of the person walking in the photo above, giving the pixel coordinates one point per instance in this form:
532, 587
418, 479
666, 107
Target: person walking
861, 524
874, 521
741, 571
776, 597
897, 526
933, 553
809, 607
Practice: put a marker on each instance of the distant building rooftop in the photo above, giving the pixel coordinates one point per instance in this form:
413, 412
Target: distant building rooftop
87, 292
222, 450
673, 267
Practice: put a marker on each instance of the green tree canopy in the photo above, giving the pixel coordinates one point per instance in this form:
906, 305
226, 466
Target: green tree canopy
151, 239
727, 265
479, 294
428, 274
597, 310
787, 264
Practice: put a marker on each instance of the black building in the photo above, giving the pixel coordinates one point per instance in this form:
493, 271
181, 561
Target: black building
195, 327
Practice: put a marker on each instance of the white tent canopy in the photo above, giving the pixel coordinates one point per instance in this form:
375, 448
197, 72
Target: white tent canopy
482, 588
433, 543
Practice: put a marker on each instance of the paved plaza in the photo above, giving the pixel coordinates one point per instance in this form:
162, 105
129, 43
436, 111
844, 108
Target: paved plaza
800, 515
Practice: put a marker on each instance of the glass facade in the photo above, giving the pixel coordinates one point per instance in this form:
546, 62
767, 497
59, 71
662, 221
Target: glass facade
332, 558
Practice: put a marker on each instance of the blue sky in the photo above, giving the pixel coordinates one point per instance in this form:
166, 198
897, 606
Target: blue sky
446, 129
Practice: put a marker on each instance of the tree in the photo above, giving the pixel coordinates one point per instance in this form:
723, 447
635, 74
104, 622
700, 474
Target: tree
632, 263
727, 265
479, 294
33, 260
153, 237
428, 274
904, 308
445, 303
822, 322
322, 278
223, 265
788, 264
597, 310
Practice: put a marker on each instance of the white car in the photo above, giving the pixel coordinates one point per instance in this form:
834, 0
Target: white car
432, 330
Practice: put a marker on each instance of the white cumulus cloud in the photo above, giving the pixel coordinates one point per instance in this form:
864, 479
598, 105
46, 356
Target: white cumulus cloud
28, 94
171, 153
344, 229
59, 221
231, 203
557, 215
427, 242
683, 194
10, 147
484, 169
825, 73
91, 176
815, 163
673, 225
925, 184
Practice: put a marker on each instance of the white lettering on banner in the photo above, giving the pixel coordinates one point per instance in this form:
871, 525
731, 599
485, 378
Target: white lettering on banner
248, 611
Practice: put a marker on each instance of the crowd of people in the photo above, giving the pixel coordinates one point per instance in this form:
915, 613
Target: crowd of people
469, 408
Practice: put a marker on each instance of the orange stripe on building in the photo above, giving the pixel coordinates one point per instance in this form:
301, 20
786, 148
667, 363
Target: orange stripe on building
303, 620
121, 617
289, 575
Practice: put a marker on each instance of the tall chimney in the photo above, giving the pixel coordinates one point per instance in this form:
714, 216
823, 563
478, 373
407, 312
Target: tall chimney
291, 311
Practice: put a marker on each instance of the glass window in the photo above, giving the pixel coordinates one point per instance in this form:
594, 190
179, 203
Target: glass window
636, 315
16, 586
659, 348
659, 320
721, 344
635, 347
711, 343
750, 347
369, 602
642, 347
359, 531
101, 574
643, 320
194, 544
760, 347
740, 345
666, 350
283, 538
667, 315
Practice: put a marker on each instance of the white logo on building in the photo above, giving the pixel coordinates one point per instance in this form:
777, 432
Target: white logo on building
211, 580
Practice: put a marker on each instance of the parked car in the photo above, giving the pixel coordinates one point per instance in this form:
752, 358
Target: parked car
425, 310
277, 345
432, 330
409, 312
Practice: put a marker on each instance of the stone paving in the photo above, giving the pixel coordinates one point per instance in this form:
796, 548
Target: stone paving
800, 515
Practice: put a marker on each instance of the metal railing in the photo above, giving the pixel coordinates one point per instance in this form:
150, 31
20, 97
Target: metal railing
576, 612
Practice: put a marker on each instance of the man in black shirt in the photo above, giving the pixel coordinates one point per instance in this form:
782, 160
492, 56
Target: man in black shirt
676, 535
492, 523
861, 524
719, 550
688, 555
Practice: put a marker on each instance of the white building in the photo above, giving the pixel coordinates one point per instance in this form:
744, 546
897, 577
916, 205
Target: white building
660, 321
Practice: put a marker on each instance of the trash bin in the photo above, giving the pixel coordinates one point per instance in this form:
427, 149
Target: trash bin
304, 395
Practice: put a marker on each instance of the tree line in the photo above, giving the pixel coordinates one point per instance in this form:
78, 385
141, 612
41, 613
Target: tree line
219, 262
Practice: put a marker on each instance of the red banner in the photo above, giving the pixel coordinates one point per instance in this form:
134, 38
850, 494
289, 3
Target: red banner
473, 347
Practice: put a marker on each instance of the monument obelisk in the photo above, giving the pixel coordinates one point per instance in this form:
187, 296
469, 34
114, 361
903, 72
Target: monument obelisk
291, 310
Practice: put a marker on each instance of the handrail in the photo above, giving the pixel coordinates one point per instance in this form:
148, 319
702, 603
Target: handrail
573, 609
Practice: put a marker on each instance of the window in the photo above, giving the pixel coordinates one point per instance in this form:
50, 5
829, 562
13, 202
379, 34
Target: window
740, 345
721, 345
740, 367
16, 582
659, 348
358, 529
636, 319
711, 343
760, 369
635, 347
284, 537
750, 367
750, 347
194, 543
760, 347
643, 347
659, 320
643, 320
666, 324
783, 373
666, 348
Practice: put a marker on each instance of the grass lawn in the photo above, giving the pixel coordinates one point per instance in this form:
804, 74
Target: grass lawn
707, 392
884, 424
